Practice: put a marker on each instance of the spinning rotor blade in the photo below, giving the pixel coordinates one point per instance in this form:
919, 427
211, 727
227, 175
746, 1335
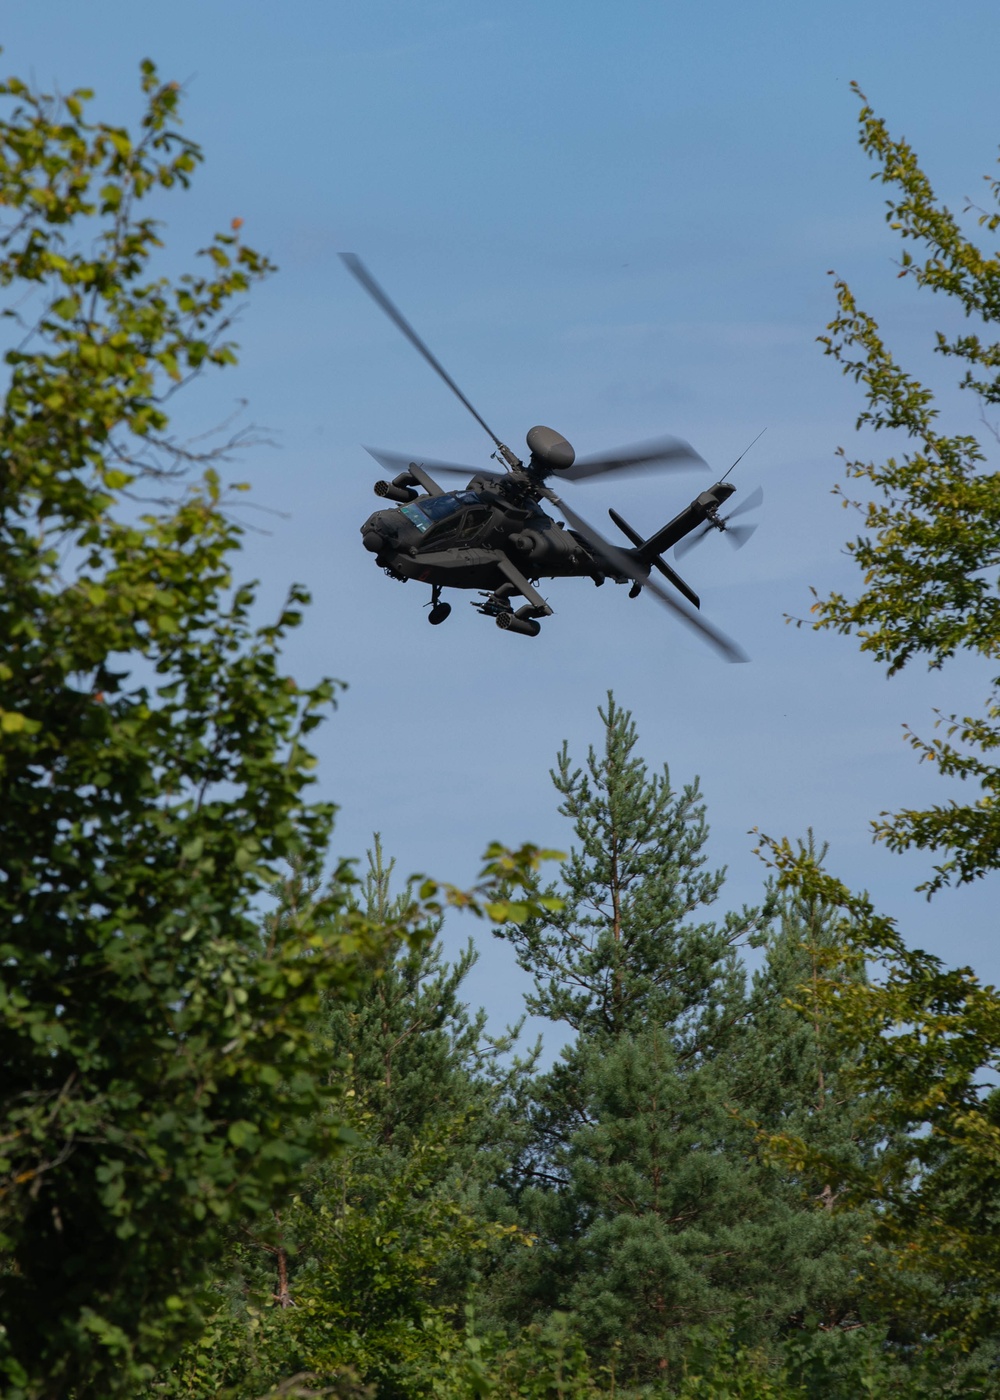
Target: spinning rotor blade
641, 456
689, 541
619, 563
358, 270
484, 474
737, 535
396, 462
751, 503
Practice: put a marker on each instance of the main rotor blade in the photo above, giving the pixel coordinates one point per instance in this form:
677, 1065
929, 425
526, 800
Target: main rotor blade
620, 563
396, 462
361, 274
669, 452
751, 503
485, 474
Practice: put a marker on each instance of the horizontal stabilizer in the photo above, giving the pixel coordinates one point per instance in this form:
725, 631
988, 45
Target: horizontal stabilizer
671, 574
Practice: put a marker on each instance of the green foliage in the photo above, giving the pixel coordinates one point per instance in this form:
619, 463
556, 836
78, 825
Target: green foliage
548, 1362
673, 1221
932, 543
654, 1209
791, 1076
348, 1278
923, 1042
919, 1039
820, 1364
163, 1076
620, 950
416, 1057
158, 1074
368, 1264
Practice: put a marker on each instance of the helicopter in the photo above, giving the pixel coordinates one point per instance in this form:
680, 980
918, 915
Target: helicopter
493, 535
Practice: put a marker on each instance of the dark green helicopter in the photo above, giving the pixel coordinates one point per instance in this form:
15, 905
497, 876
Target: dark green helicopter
494, 536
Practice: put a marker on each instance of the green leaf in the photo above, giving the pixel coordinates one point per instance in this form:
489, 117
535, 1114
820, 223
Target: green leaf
243, 1133
11, 722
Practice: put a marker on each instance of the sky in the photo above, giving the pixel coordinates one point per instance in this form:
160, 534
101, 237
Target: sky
619, 221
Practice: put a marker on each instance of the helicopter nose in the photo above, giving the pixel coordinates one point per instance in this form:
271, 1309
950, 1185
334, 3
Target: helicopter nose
373, 541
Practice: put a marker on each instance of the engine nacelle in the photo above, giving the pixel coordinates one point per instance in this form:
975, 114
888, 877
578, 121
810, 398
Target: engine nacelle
530, 543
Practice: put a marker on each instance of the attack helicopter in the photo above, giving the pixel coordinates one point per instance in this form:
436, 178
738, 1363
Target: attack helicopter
494, 536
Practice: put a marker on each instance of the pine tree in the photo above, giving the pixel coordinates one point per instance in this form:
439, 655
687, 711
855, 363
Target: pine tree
788, 1075
417, 1058
657, 1210
629, 948
644, 1187
790, 1062
621, 951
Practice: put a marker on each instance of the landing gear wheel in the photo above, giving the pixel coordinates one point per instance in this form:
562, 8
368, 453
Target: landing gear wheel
439, 611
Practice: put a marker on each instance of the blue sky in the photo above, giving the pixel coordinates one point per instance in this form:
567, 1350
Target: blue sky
617, 220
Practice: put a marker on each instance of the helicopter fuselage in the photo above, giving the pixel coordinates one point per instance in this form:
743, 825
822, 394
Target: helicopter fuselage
460, 539
463, 539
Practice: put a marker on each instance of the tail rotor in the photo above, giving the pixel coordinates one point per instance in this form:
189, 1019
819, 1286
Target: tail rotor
737, 535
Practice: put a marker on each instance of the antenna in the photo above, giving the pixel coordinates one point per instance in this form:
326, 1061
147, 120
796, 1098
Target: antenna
745, 451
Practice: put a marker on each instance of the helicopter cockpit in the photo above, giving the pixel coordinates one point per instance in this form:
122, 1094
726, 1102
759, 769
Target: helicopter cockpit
429, 510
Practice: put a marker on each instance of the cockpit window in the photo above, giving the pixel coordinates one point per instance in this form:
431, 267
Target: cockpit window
430, 509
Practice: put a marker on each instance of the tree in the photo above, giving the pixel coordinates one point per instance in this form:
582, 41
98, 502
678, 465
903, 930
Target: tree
917, 1040
924, 1037
654, 1210
930, 556
162, 1072
370, 1260
159, 1075
620, 951
684, 1225
407, 1223
417, 1059
791, 1076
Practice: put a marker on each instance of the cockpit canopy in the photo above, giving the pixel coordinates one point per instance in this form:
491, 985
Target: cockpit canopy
430, 509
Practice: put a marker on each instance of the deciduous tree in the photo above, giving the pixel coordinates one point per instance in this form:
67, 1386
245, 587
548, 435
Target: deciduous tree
924, 1037
930, 551
163, 1077
158, 1071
